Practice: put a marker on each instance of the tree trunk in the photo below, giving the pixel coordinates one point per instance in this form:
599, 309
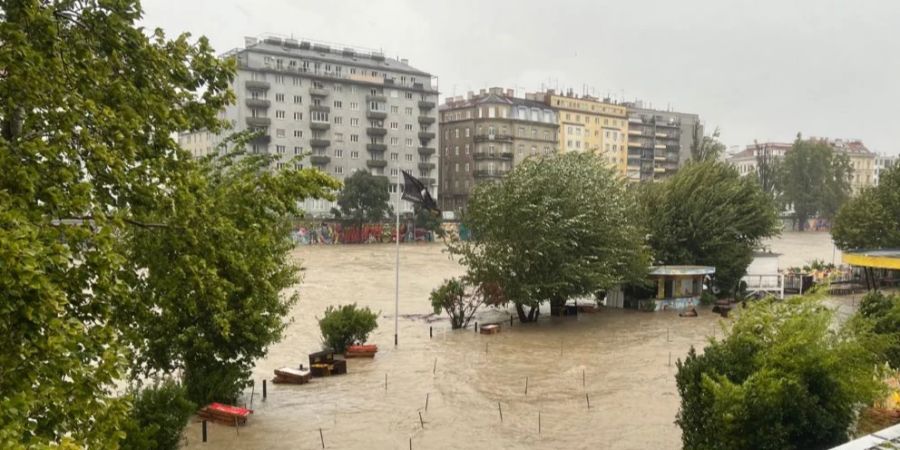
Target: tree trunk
524, 317
557, 306
534, 313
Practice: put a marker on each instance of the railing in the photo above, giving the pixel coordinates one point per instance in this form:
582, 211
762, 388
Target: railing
493, 137
242, 63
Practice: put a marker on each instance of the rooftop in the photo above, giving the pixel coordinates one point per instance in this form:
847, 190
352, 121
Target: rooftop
884, 258
681, 270
492, 95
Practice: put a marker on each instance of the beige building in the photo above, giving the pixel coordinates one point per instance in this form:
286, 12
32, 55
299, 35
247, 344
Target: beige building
861, 160
588, 124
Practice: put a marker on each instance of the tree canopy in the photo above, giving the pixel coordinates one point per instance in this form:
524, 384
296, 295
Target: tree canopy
814, 179
553, 228
707, 214
706, 148
871, 219
781, 378
365, 198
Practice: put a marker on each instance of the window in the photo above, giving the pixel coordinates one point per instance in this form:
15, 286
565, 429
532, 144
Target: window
298, 116
338, 137
279, 132
354, 122
409, 96
394, 125
338, 170
393, 93
295, 79
456, 150
279, 114
279, 79
354, 106
409, 111
408, 127
394, 156
339, 153
279, 98
456, 167
395, 141
338, 120
408, 157
279, 149
456, 133
395, 109
467, 131
354, 154
394, 173
298, 133
467, 167
338, 104
409, 142
298, 99
467, 150
354, 138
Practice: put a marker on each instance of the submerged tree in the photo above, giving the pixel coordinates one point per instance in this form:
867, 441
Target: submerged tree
708, 214
871, 219
89, 107
364, 198
780, 379
553, 228
459, 300
814, 179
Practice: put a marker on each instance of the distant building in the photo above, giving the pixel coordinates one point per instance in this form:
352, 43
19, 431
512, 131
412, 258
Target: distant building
340, 109
746, 161
882, 163
659, 142
484, 135
588, 124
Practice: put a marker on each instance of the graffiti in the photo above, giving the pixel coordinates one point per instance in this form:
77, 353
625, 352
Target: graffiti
331, 233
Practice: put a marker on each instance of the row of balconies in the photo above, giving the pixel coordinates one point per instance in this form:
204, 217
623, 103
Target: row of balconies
493, 155
493, 138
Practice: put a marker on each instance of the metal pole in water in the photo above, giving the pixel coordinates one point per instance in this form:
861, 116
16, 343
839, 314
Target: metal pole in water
526, 386
501, 411
434, 370
430, 332
322, 437
264, 389
539, 423
421, 420
397, 268
588, 398
385, 381
204, 431
426, 400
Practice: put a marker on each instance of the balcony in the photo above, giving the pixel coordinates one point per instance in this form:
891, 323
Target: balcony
426, 151
427, 181
426, 105
319, 108
258, 103
263, 139
376, 147
259, 122
490, 173
667, 124
426, 135
319, 143
488, 155
318, 92
257, 85
426, 166
376, 115
426, 120
319, 160
376, 98
493, 138
376, 163
319, 126
376, 131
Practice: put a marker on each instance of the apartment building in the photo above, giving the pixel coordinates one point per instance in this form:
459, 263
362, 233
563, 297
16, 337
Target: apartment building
659, 142
883, 163
746, 161
588, 124
484, 135
338, 109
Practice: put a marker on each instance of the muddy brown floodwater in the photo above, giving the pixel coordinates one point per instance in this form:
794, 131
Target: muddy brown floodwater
621, 363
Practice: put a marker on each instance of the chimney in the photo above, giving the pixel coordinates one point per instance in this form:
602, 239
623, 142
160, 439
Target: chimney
510, 93
469, 95
404, 61
482, 92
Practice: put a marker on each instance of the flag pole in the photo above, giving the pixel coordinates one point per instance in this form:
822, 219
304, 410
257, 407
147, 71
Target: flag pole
397, 265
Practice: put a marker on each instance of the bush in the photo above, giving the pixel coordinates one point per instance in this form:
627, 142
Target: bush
346, 325
707, 298
451, 297
883, 312
158, 416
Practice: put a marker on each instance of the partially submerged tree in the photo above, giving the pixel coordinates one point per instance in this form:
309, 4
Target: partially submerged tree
554, 228
346, 325
89, 107
871, 219
707, 214
814, 179
364, 198
781, 378
459, 300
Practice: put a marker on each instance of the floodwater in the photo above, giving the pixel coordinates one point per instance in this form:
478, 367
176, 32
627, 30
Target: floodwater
599, 381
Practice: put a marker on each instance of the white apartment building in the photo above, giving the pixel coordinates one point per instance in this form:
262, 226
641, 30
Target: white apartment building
337, 109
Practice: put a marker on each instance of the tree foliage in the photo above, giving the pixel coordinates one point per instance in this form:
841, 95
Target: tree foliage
782, 378
883, 312
553, 228
89, 107
346, 325
814, 179
209, 283
707, 214
768, 168
365, 198
871, 219
706, 148
159, 413
452, 297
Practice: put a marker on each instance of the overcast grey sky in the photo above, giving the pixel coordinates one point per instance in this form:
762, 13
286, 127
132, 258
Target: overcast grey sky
757, 69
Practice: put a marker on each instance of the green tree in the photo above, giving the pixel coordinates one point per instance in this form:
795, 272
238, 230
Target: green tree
347, 325
88, 107
782, 378
814, 180
209, 279
708, 214
554, 228
706, 148
768, 166
871, 219
883, 312
452, 298
158, 416
365, 198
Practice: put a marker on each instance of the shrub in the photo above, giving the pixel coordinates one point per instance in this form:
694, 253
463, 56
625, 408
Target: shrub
452, 298
707, 298
158, 415
883, 312
346, 325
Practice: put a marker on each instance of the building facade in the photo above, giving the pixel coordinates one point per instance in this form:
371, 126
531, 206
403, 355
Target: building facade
336, 109
587, 124
484, 135
746, 161
883, 163
659, 142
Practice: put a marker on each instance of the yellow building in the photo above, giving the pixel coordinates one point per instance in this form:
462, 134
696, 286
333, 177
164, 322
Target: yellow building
588, 124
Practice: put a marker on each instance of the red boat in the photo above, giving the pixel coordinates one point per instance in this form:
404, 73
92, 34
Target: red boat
361, 351
225, 414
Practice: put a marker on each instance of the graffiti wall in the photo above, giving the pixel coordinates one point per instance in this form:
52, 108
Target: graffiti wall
330, 233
